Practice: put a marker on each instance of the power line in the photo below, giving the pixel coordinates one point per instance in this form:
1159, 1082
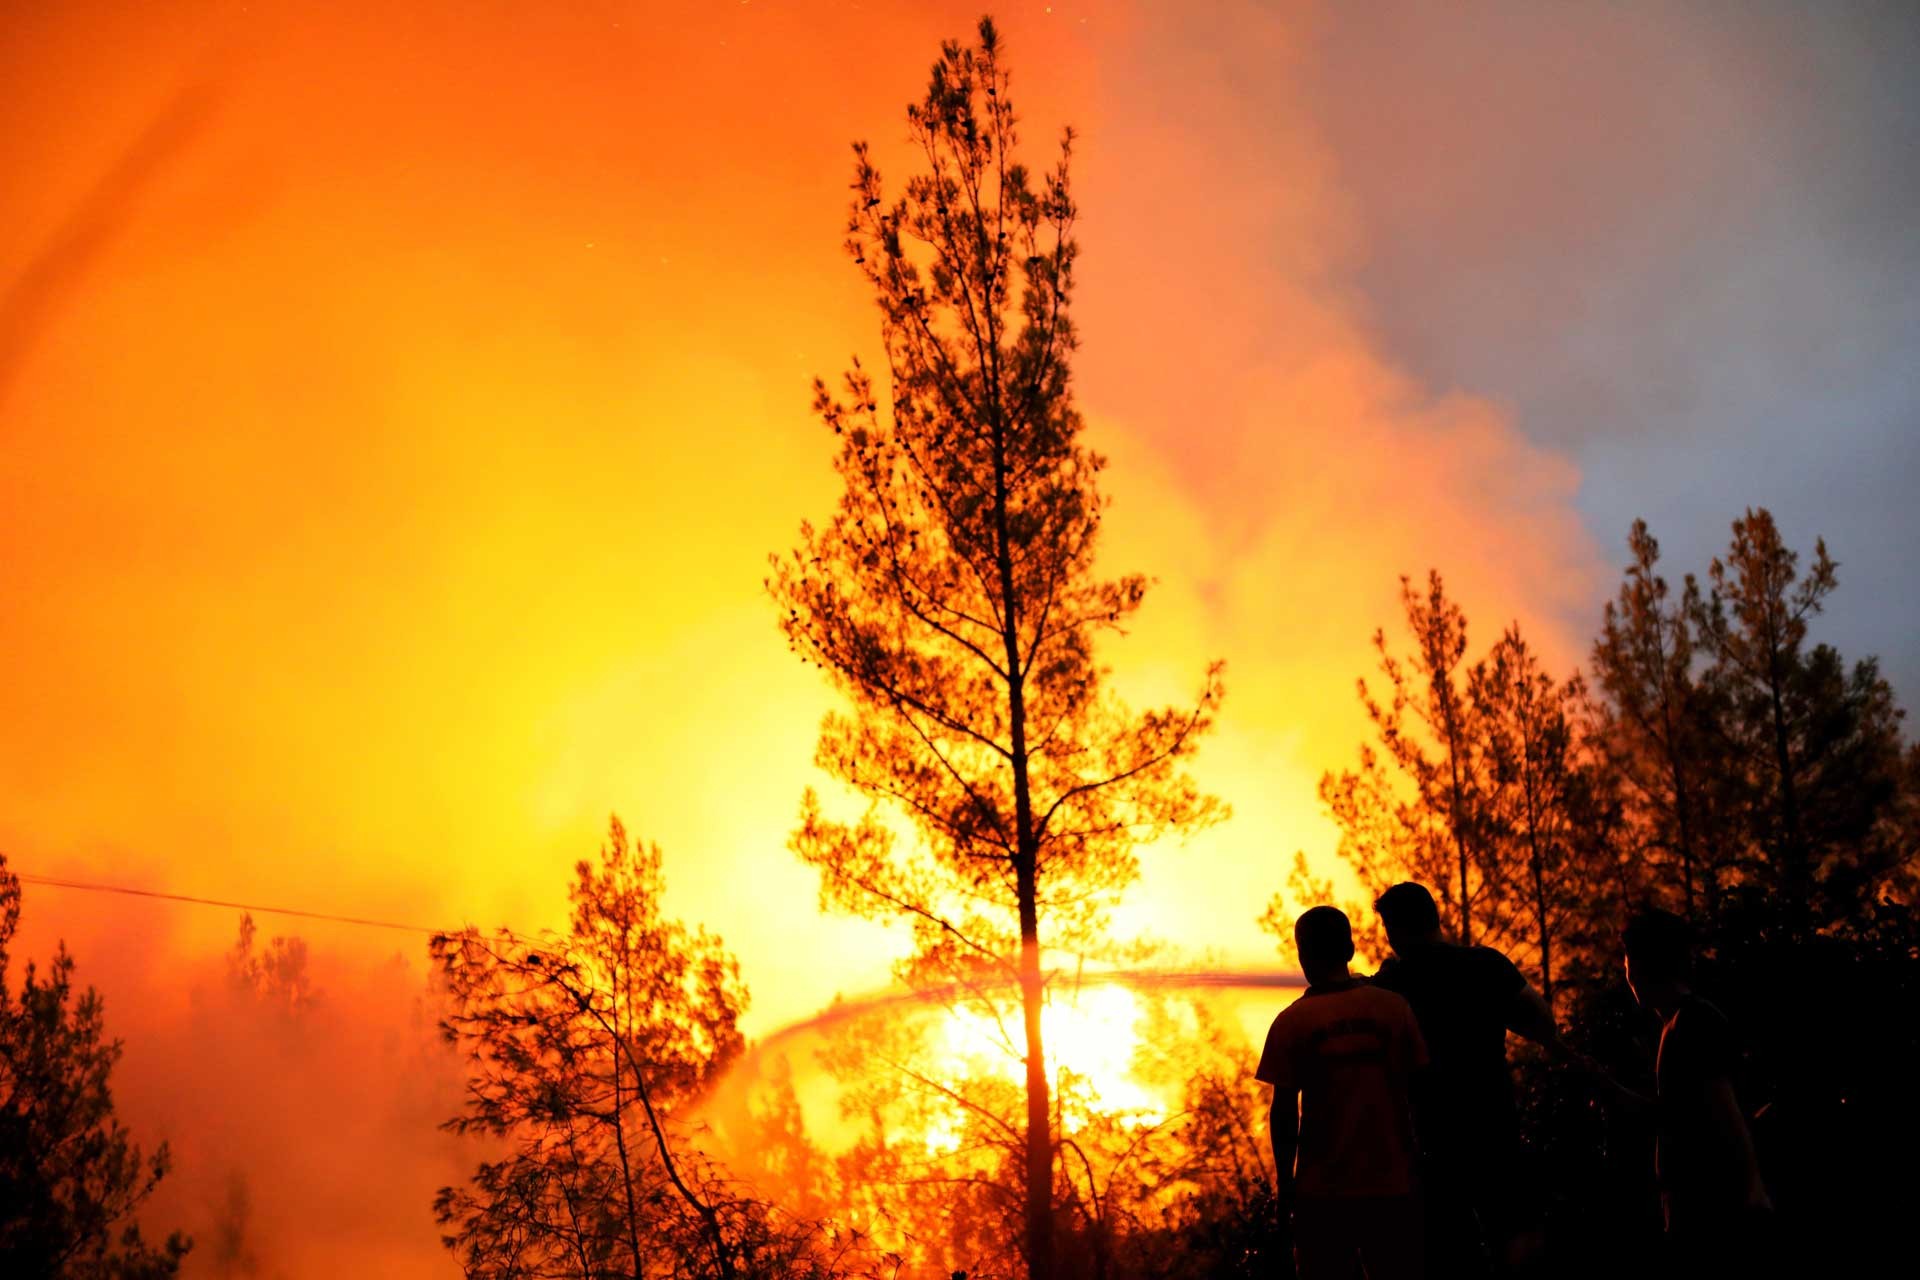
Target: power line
838, 1012
26, 878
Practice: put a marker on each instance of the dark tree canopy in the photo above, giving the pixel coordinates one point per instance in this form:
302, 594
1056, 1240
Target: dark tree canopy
586, 1052
1482, 783
1552, 823
1417, 806
70, 1176
1721, 749
1658, 722
1812, 748
1726, 765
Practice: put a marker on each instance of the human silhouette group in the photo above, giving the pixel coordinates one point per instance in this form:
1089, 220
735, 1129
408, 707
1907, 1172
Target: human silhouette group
1396, 1137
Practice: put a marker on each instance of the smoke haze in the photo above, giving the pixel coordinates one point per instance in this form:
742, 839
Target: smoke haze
400, 403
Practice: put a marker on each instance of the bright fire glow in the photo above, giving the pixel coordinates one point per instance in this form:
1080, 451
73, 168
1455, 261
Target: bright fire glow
397, 415
1091, 1037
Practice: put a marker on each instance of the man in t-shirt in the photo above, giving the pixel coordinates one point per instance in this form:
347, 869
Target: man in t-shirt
1466, 1000
1711, 1193
1346, 1051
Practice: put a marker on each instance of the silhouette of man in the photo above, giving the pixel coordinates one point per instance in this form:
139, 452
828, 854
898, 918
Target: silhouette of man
1466, 999
1347, 1051
1711, 1193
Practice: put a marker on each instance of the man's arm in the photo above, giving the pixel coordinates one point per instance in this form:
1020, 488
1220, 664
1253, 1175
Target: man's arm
1283, 1118
1731, 1126
1283, 1124
1529, 1018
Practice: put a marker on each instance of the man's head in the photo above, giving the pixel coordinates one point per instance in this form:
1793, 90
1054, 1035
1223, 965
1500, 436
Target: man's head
1659, 948
1409, 915
1325, 940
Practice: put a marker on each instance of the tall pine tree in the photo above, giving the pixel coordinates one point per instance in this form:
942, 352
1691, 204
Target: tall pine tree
952, 596
1659, 729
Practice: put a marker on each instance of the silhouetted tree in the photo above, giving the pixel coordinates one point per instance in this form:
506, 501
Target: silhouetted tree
1425, 821
232, 1251
1170, 1189
1760, 776
586, 1051
1816, 745
1899, 831
275, 975
934, 1174
1658, 722
1200, 1201
760, 1134
952, 595
1754, 623
70, 1178
1483, 787
1539, 791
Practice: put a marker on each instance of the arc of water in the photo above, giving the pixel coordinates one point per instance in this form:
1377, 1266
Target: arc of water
845, 1009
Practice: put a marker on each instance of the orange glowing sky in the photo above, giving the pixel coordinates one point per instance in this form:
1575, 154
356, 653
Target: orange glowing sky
396, 430
398, 403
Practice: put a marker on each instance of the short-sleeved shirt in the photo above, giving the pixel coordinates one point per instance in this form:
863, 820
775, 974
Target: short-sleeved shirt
1695, 1167
1463, 998
1349, 1053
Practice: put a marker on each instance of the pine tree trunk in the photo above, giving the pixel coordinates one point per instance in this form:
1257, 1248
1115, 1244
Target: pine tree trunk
1683, 820
1454, 821
1039, 1180
1682, 803
1799, 882
1538, 861
1540, 921
1039, 1188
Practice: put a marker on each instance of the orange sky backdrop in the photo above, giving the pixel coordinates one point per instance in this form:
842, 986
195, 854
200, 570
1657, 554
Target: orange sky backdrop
396, 432
398, 403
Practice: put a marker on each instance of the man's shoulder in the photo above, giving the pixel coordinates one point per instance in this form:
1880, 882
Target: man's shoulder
1416, 979
1492, 965
1307, 1017
1289, 1026
1700, 1017
1293, 1015
1698, 1040
1428, 964
1381, 996
1444, 975
1313, 1006
1368, 994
